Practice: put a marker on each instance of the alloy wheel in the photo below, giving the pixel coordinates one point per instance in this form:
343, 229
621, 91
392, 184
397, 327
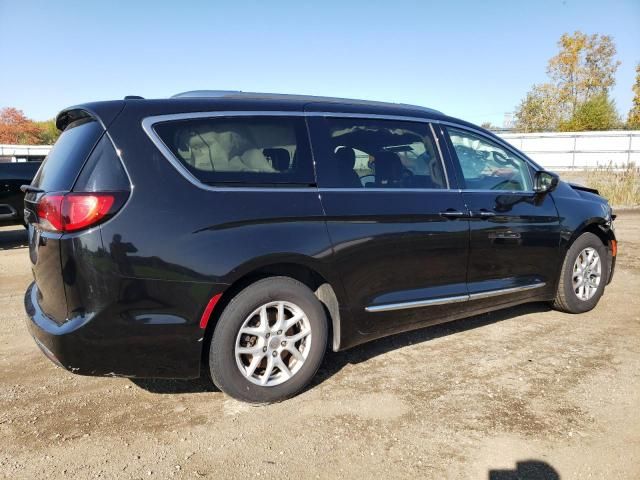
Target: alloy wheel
273, 343
587, 273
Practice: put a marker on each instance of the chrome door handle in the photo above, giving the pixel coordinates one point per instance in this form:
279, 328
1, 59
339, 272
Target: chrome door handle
453, 214
484, 214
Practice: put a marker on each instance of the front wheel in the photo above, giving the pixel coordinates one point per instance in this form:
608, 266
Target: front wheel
269, 341
583, 276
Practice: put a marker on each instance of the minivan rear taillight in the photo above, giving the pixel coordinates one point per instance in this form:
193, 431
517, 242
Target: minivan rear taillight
76, 211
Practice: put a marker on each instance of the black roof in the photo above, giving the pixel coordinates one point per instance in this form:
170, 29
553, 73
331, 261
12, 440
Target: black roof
222, 100
300, 100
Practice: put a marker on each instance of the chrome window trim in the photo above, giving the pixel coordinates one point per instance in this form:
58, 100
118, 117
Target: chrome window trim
497, 192
372, 116
149, 122
388, 190
454, 299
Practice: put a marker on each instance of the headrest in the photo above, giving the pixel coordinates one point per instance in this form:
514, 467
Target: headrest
346, 157
280, 158
388, 166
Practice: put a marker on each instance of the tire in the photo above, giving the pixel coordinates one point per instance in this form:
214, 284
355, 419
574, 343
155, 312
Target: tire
567, 299
232, 373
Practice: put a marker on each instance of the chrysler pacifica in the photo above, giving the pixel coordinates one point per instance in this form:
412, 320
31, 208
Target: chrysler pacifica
244, 234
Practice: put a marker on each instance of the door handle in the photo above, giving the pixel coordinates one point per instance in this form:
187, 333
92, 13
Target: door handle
451, 213
483, 214
506, 235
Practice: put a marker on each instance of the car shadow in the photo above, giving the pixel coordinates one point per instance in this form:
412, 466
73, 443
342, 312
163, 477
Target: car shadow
174, 386
336, 361
527, 470
13, 238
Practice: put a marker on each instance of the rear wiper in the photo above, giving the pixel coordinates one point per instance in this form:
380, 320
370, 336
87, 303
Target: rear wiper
31, 188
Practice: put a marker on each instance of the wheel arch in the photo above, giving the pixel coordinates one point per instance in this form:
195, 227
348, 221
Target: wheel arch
598, 226
299, 268
604, 231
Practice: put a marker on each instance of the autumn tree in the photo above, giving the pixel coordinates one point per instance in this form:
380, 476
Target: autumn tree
540, 110
597, 113
583, 69
49, 133
633, 120
16, 128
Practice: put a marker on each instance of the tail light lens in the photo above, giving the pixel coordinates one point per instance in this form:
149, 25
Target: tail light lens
50, 213
77, 211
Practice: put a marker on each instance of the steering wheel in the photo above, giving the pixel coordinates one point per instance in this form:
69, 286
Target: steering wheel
501, 158
472, 161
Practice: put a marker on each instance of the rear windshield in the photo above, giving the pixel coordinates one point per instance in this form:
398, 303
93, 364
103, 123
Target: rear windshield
61, 167
241, 150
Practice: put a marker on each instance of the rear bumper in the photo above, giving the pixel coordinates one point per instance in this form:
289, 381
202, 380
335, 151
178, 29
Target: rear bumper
117, 343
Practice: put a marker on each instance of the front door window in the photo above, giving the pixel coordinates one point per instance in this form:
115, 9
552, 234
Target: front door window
487, 166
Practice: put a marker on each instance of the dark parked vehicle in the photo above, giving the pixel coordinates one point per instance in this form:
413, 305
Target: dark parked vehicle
12, 176
244, 233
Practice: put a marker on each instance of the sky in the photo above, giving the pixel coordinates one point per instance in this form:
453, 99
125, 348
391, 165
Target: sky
470, 59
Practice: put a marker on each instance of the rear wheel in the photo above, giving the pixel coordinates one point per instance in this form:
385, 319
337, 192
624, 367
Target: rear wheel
584, 275
269, 341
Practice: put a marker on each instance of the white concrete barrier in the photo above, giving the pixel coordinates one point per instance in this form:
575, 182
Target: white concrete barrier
556, 151
23, 153
579, 150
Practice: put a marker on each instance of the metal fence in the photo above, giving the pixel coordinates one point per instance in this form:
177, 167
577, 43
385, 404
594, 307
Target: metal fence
579, 150
23, 153
556, 151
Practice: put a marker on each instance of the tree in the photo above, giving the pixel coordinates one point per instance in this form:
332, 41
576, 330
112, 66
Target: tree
583, 68
597, 113
487, 125
16, 128
49, 133
633, 120
540, 110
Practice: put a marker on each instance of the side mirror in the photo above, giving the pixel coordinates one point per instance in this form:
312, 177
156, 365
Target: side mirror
544, 182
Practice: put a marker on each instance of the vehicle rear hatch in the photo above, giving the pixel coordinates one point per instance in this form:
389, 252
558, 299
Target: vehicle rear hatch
54, 179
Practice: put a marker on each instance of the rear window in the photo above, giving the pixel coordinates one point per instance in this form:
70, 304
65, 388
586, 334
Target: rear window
371, 153
241, 151
61, 167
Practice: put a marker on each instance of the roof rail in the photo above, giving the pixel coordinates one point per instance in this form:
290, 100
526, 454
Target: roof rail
205, 93
133, 97
281, 96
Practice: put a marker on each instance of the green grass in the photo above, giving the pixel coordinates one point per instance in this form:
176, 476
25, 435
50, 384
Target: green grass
620, 187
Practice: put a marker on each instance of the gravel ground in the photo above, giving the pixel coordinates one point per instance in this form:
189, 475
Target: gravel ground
523, 393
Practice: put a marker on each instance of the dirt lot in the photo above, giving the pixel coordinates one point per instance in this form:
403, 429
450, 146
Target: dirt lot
499, 396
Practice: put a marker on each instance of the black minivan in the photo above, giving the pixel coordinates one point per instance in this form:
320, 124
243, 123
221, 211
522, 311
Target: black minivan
246, 232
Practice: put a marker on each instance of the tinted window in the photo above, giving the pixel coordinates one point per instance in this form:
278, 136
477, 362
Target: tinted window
487, 166
103, 170
241, 150
359, 153
61, 167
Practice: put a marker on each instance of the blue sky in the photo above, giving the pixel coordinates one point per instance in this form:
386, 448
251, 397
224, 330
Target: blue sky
470, 59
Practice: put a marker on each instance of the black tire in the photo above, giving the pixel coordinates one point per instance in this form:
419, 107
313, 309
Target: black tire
566, 298
225, 372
